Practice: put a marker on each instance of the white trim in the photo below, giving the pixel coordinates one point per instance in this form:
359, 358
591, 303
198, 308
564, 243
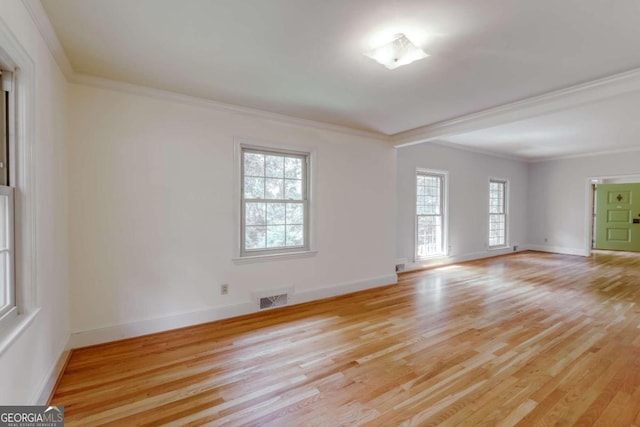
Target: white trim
527, 108
344, 288
180, 320
312, 154
445, 213
476, 150
591, 154
559, 250
274, 257
22, 138
41, 19
42, 22
13, 331
524, 109
447, 260
135, 89
507, 225
44, 391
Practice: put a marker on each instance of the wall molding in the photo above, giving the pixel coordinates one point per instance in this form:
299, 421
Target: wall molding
134, 89
42, 22
181, 320
550, 102
559, 250
41, 19
582, 155
480, 151
455, 259
507, 113
49, 382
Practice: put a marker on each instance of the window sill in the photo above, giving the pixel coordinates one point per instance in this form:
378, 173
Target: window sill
15, 328
274, 257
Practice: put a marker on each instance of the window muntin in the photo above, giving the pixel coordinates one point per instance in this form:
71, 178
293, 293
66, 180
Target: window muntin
430, 237
497, 213
275, 205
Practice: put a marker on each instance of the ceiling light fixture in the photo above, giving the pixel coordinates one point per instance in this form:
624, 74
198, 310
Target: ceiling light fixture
399, 51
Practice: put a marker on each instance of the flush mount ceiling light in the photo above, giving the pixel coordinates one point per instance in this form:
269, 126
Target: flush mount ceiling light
399, 51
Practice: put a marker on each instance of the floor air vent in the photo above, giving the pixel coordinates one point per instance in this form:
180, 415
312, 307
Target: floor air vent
273, 301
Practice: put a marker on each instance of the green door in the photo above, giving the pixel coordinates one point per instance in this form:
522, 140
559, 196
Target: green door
618, 217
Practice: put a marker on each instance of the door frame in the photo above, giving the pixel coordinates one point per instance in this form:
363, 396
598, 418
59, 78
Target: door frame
589, 203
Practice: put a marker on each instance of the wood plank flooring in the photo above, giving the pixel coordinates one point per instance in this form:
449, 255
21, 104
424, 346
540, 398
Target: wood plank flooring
529, 339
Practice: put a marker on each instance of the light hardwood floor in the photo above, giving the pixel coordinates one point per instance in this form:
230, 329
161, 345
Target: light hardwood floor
525, 339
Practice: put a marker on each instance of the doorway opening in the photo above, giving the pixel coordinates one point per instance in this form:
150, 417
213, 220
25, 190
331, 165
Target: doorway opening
614, 213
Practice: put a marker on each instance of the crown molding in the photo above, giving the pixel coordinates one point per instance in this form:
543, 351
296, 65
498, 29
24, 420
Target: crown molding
527, 108
581, 155
135, 89
551, 102
476, 150
41, 19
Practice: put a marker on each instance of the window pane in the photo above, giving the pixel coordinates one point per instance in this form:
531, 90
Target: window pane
275, 166
295, 236
293, 189
255, 214
429, 235
255, 237
274, 188
293, 168
497, 230
276, 214
253, 164
496, 197
295, 213
275, 236
274, 192
253, 188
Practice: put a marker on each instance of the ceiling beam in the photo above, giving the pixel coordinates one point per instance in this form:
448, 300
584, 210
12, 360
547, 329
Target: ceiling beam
551, 102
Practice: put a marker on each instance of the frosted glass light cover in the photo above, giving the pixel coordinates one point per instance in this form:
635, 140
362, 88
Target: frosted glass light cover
399, 51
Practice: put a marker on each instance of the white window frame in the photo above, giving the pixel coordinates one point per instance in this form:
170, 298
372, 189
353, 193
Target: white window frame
444, 175
262, 255
505, 213
22, 162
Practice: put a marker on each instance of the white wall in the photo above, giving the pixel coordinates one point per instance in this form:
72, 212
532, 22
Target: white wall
28, 364
559, 198
469, 174
153, 214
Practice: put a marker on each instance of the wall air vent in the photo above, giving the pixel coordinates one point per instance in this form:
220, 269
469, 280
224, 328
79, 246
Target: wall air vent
273, 301
272, 298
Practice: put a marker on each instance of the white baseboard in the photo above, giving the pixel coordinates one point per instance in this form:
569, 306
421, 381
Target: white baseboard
558, 250
150, 326
344, 288
49, 381
145, 327
461, 258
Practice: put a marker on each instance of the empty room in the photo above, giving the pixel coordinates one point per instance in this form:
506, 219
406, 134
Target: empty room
320, 213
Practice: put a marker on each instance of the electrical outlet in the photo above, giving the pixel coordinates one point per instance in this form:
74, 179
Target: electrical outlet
546, 240
224, 289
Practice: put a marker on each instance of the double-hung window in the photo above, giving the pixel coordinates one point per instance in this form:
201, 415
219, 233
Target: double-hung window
430, 214
275, 202
497, 213
7, 277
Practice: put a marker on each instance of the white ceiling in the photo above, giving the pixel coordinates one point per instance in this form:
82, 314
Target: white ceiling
303, 58
608, 125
